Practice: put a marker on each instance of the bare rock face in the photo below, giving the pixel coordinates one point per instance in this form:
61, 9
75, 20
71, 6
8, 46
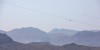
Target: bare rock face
5, 39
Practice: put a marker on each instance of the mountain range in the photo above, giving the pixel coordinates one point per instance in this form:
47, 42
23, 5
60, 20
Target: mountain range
7, 43
29, 34
56, 36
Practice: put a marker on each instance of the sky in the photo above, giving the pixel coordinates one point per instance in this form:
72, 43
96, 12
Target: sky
49, 14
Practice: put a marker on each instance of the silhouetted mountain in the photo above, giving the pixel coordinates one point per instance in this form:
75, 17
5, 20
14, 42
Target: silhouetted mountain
89, 38
67, 32
58, 39
60, 36
1, 31
28, 34
56, 36
5, 39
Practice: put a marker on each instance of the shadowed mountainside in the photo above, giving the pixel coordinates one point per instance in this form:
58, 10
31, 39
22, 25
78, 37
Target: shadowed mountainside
5, 39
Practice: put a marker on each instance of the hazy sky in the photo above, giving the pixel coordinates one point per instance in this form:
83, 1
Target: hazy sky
85, 14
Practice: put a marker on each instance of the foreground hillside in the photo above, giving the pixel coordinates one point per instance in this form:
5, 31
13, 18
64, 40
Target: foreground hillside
19, 46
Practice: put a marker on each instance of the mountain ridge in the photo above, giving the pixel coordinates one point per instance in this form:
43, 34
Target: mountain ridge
30, 34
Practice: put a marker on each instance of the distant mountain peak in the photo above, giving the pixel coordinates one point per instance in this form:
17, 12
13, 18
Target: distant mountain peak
28, 34
68, 32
